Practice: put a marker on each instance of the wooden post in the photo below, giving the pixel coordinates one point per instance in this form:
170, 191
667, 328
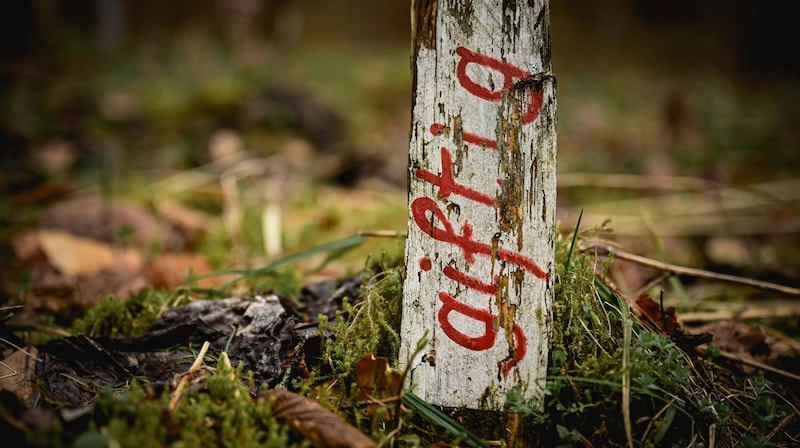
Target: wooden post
482, 198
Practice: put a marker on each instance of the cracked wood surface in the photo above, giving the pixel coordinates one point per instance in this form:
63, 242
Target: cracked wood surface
482, 190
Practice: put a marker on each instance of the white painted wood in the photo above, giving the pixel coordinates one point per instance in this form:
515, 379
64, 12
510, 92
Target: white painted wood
482, 197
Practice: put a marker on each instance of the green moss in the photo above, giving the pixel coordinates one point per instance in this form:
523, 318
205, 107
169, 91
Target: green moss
223, 414
369, 327
673, 399
584, 385
228, 416
582, 325
113, 316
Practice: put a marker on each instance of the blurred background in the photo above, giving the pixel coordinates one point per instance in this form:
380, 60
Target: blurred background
288, 121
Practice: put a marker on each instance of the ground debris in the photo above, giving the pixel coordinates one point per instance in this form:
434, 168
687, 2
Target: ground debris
321, 427
262, 333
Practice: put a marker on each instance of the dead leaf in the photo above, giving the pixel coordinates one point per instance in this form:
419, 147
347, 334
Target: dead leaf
18, 374
376, 379
118, 280
321, 427
69, 273
26, 247
190, 224
755, 343
113, 222
664, 319
172, 269
73, 256
70, 255
667, 321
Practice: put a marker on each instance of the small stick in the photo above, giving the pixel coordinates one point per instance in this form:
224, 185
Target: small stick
753, 363
700, 273
198, 363
749, 313
383, 233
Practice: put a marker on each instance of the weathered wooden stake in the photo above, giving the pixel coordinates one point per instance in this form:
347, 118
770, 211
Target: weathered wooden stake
482, 198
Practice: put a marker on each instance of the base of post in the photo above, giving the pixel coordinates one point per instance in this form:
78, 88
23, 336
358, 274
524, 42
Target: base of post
495, 426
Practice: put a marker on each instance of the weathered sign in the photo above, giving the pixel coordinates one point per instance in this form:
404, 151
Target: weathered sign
482, 197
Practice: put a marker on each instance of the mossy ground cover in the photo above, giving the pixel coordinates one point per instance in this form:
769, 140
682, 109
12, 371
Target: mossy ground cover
613, 380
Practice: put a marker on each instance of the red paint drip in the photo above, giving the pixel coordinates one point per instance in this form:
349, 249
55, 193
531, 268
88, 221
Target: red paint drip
520, 350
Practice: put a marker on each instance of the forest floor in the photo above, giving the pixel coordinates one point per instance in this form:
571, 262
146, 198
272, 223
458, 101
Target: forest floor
161, 200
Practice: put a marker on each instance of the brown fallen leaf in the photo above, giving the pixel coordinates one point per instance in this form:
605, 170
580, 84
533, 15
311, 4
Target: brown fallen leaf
321, 427
376, 379
170, 270
74, 256
667, 321
18, 374
71, 255
68, 254
664, 319
113, 222
377, 382
119, 281
190, 225
68, 274
750, 342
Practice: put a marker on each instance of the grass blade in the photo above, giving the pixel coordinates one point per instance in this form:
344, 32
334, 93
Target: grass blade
336, 248
572, 244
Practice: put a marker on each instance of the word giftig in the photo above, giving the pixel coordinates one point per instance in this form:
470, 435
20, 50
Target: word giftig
471, 326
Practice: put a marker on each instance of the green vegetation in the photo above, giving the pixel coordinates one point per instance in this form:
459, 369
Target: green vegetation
113, 317
611, 380
223, 414
607, 371
369, 327
372, 326
135, 120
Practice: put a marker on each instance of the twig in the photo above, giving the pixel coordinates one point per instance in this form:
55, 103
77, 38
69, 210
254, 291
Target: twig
650, 284
784, 421
752, 363
626, 373
700, 273
198, 363
8, 375
636, 182
749, 313
383, 233
759, 365
6, 341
